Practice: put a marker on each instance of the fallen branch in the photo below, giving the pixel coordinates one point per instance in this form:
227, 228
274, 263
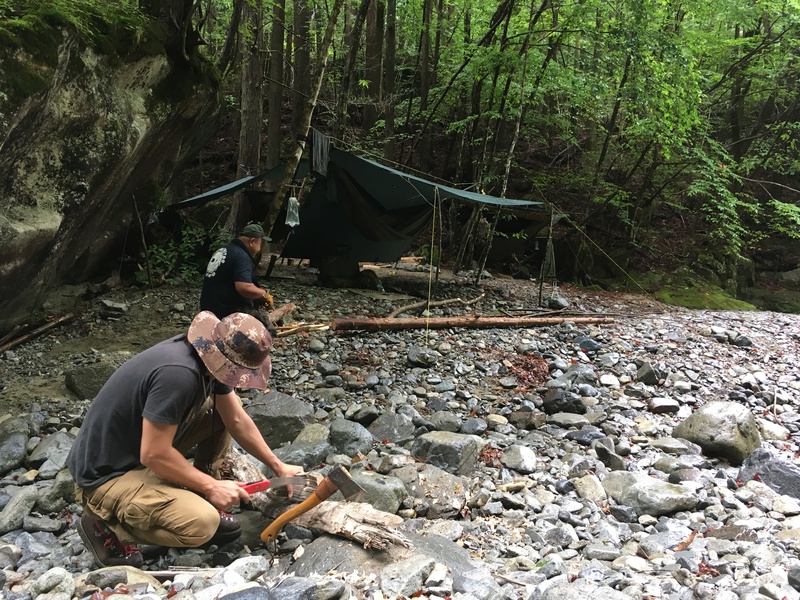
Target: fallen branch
287, 330
36, 332
473, 322
425, 303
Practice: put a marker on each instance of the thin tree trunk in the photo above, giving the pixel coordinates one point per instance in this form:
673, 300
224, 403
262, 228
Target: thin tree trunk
469, 321
612, 121
349, 64
302, 59
425, 79
276, 55
228, 54
373, 63
251, 109
305, 122
389, 147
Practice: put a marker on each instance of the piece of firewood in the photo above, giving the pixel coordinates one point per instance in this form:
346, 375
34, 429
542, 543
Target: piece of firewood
357, 521
280, 312
470, 321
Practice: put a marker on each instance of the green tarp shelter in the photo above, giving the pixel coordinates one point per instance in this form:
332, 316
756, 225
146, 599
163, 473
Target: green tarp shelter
363, 209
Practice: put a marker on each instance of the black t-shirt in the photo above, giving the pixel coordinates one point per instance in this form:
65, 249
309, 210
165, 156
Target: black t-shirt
228, 265
165, 384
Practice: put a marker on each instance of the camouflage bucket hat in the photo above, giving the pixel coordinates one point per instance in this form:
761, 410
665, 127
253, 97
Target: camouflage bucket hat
235, 349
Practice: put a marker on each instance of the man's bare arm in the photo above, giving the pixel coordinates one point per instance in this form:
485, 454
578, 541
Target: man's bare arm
158, 454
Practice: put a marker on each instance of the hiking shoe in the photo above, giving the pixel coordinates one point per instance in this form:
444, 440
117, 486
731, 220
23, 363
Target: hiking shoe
103, 543
228, 530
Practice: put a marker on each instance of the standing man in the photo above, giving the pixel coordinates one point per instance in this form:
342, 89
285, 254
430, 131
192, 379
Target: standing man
231, 284
128, 461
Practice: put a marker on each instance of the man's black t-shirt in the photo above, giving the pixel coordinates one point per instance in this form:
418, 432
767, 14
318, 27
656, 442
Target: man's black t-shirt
228, 265
165, 383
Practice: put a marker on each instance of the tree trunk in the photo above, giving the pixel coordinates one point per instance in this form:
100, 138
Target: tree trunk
389, 147
273, 150
373, 63
425, 81
302, 59
305, 121
228, 54
251, 111
349, 66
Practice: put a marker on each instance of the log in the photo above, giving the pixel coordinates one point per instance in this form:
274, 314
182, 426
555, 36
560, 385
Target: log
473, 322
357, 521
281, 312
36, 332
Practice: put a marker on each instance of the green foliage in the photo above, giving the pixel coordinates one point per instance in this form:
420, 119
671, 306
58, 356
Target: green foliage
786, 218
176, 260
107, 24
714, 182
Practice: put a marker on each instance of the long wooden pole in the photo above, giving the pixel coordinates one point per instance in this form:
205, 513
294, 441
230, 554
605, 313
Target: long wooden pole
456, 322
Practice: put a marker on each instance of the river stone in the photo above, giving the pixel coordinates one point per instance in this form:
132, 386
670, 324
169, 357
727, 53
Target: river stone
383, 492
392, 427
19, 507
454, 452
444, 492
646, 495
350, 438
781, 475
407, 576
724, 429
85, 381
12, 451
279, 417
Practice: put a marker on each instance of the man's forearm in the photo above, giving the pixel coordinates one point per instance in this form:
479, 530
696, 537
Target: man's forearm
172, 466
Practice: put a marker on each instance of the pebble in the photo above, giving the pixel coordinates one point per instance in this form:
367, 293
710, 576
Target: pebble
512, 482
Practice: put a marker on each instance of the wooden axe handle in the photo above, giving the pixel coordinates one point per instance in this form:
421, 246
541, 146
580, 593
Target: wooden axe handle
325, 490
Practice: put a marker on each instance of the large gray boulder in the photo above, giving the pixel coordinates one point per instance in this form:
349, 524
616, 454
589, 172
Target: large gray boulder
280, 418
646, 495
454, 452
724, 429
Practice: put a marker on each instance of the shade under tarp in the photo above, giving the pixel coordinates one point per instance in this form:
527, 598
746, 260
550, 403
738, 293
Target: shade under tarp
371, 212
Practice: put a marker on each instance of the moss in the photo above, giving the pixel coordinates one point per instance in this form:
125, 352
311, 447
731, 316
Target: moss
701, 297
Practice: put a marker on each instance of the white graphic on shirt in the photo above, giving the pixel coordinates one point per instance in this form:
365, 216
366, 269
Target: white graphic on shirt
216, 260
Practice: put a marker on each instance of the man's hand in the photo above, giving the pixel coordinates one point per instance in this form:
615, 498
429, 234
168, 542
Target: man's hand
268, 301
265, 301
225, 494
284, 470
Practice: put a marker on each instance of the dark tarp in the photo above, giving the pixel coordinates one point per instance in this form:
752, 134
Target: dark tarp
360, 208
372, 212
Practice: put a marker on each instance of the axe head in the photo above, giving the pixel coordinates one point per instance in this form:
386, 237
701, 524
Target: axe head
341, 478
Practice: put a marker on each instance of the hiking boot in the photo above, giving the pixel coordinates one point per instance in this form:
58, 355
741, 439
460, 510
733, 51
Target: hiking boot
103, 543
228, 530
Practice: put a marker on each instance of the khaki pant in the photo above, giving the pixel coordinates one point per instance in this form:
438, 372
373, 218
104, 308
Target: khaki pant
141, 507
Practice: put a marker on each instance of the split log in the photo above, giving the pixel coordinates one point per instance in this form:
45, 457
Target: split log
473, 322
281, 312
426, 303
288, 330
357, 521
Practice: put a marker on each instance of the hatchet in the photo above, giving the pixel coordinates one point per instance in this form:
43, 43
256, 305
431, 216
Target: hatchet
337, 480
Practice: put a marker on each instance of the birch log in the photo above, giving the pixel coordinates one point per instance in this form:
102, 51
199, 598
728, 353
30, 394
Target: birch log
357, 521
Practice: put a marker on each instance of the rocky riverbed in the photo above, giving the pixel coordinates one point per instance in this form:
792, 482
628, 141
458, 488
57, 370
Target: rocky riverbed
655, 456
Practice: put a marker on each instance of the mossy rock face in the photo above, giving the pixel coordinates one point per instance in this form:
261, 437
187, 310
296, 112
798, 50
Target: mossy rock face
787, 301
702, 297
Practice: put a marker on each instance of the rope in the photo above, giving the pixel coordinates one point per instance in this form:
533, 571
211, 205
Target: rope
436, 202
603, 252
